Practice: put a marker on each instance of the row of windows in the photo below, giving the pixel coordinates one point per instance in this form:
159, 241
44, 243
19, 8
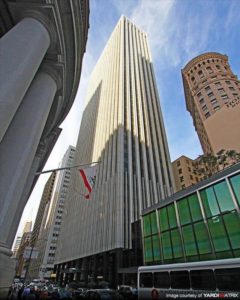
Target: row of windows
195, 232
198, 241
221, 279
209, 70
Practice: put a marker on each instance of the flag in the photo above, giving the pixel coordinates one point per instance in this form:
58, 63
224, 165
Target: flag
89, 177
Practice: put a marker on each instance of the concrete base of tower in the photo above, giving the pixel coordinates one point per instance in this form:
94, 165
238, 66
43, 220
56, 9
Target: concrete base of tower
7, 267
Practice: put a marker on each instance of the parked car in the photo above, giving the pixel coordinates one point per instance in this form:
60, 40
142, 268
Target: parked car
128, 292
103, 294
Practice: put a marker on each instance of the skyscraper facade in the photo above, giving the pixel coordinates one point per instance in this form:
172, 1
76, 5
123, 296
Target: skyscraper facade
46, 243
122, 127
212, 94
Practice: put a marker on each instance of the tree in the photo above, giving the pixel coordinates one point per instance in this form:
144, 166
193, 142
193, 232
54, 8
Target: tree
208, 164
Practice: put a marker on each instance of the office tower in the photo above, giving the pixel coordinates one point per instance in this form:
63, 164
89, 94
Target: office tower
27, 227
184, 172
42, 44
16, 245
122, 127
212, 94
21, 259
51, 220
45, 199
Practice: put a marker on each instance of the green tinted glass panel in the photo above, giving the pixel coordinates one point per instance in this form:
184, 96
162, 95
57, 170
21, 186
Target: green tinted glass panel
209, 202
195, 207
156, 248
223, 196
218, 233
166, 245
146, 225
235, 182
232, 223
154, 227
202, 237
176, 243
172, 216
148, 249
189, 240
163, 219
184, 212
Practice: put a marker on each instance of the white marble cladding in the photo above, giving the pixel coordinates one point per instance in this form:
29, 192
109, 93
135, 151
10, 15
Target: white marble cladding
122, 126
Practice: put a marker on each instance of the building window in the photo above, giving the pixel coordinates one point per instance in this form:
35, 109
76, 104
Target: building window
178, 163
201, 101
228, 82
193, 78
204, 108
224, 97
214, 101
183, 186
231, 88
207, 89
209, 69
210, 94
200, 73
199, 95
189, 169
207, 115
218, 67
218, 84
221, 90
179, 171
216, 107
181, 179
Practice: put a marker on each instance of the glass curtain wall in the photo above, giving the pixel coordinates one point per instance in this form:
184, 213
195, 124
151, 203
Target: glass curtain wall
202, 226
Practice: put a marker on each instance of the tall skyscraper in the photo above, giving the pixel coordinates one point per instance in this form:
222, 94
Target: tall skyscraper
122, 127
51, 220
212, 94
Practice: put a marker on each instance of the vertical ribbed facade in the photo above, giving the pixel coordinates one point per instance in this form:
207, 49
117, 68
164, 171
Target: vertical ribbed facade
122, 127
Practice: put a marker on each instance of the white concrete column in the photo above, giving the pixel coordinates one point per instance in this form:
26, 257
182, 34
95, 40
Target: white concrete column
21, 52
17, 151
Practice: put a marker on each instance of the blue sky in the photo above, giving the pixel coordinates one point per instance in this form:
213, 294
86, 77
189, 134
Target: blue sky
178, 30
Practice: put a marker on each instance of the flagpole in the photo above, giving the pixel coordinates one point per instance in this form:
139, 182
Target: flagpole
67, 168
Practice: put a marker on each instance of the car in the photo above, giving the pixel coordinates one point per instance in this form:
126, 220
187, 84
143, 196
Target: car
103, 294
128, 292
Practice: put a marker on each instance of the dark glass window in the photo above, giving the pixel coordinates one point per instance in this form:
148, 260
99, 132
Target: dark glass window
189, 241
176, 243
203, 280
232, 223
156, 248
163, 219
154, 227
209, 202
202, 238
195, 207
148, 249
184, 212
180, 280
146, 225
172, 216
223, 196
161, 280
228, 279
146, 280
235, 182
218, 234
166, 244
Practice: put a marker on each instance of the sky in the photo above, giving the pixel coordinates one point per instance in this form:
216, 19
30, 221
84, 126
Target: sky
178, 31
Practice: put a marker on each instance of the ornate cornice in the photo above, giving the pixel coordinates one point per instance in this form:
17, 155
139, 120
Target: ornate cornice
202, 57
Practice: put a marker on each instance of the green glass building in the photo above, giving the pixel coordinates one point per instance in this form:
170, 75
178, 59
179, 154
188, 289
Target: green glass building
199, 223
